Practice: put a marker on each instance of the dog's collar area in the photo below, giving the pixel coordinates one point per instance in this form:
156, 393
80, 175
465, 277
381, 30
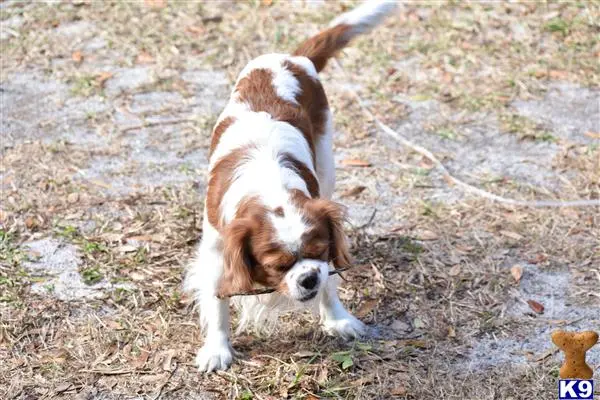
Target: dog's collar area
257, 292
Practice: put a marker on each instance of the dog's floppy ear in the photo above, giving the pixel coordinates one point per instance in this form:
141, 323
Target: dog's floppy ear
334, 215
237, 275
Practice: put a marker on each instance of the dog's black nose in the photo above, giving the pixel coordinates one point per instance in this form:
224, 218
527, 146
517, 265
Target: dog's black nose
308, 281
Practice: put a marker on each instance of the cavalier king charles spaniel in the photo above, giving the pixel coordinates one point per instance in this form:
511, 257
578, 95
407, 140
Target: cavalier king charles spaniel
269, 221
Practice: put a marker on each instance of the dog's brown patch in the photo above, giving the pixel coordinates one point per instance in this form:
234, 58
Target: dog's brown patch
323, 46
218, 131
256, 89
287, 160
311, 97
221, 177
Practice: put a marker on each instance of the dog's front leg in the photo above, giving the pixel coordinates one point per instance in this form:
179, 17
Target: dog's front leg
335, 319
216, 352
203, 279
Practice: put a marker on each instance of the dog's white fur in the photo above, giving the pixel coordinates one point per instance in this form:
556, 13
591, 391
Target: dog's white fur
264, 177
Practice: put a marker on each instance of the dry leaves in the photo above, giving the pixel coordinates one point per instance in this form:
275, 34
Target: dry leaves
366, 307
455, 270
535, 306
593, 135
355, 191
102, 77
144, 58
426, 235
512, 235
399, 390
517, 272
73, 198
355, 162
77, 57
195, 30
155, 3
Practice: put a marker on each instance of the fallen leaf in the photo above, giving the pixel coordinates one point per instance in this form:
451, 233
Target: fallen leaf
556, 74
114, 325
144, 57
31, 222
195, 30
593, 135
451, 332
449, 180
140, 360
63, 387
136, 276
517, 272
455, 270
155, 3
512, 235
305, 354
421, 344
426, 163
168, 361
398, 391
142, 238
73, 198
400, 326
112, 237
426, 235
355, 162
418, 323
102, 77
356, 190
535, 306
100, 183
77, 57
366, 307
127, 248
539, 258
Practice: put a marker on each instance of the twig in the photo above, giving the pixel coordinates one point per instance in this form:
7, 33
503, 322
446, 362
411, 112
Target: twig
256, 292
157, 123
116, 372
162, 387
369, 222
449, 178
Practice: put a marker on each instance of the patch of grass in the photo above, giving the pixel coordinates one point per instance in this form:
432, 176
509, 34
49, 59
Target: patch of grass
91, 275
49, 287
557, 25
246, 395
9, 252
84, 86
525, 128
345, 359
67, 231
93, 247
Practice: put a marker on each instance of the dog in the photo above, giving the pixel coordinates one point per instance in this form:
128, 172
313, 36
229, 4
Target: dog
269, 220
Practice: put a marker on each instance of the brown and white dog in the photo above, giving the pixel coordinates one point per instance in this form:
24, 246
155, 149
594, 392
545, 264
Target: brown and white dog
268, 217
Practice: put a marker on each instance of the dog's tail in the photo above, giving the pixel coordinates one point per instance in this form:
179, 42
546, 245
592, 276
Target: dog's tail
325, 44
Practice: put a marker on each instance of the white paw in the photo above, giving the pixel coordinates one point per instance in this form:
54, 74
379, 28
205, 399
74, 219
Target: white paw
214, 355
347, 327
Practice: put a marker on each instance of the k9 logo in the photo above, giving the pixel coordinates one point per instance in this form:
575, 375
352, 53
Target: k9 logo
575, 389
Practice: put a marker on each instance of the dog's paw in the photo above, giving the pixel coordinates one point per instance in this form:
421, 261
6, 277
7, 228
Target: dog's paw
214, 356
347, 327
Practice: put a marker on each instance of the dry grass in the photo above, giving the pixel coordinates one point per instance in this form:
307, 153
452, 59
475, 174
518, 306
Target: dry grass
435, 285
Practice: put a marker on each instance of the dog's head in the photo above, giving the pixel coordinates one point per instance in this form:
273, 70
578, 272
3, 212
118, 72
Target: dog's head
287, 247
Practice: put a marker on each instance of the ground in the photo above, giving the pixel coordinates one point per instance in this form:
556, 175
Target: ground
106, 115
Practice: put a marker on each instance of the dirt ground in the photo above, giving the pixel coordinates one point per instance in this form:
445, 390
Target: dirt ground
106, 116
